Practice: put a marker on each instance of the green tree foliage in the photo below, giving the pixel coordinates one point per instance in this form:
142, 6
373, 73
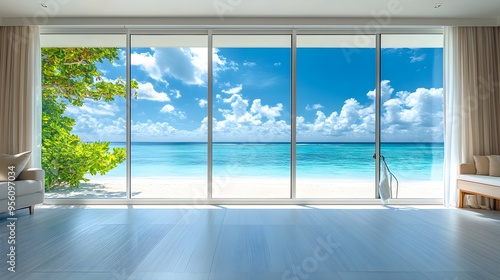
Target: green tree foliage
70, 76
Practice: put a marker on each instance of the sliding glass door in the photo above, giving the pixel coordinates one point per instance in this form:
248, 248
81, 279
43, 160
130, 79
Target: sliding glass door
272, 122
335, 116
169, 116
83, 115
412, 130
251, 116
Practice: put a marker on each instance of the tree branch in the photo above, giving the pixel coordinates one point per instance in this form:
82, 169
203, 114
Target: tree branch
75, 63
49, 86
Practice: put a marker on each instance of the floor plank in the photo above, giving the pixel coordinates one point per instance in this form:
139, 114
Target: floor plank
247, 242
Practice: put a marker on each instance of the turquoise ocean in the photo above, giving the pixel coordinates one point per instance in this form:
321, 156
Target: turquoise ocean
408, 161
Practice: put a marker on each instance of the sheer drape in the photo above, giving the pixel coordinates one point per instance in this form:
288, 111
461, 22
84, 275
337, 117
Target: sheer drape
20, 91
472, 101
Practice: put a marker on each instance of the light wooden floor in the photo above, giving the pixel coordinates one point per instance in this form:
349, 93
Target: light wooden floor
224, 242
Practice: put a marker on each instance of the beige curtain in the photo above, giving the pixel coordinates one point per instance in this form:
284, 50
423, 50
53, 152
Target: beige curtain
20, 91
473, 100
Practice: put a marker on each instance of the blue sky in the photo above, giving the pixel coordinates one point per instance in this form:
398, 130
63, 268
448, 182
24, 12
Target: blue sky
251, 95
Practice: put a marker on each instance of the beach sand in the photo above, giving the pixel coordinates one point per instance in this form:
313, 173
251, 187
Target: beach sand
241, 187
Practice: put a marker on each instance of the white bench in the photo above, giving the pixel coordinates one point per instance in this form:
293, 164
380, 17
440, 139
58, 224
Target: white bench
29, 188
468, 182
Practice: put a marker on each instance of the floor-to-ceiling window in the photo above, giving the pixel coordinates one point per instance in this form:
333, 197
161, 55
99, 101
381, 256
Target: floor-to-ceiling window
412, 112
335, 116
251, 116
84, 113
169, 116
252, 97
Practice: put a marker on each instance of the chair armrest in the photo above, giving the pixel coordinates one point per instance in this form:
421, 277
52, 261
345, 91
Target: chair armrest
467, 168
36, 174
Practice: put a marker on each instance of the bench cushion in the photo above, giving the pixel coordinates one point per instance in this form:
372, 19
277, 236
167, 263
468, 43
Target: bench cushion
487, 180
494, 165
22, 188
482, 165
16, 162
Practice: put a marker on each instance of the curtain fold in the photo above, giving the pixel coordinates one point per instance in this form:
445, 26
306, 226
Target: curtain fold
472, 102
20, 91
452, 156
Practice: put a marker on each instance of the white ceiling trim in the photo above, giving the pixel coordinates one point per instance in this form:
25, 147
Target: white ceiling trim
254, 8
366, 24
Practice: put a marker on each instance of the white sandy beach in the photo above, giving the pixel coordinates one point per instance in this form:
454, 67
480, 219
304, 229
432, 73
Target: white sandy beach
241, 187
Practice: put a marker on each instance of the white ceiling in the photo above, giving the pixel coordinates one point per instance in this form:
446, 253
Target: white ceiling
77, 10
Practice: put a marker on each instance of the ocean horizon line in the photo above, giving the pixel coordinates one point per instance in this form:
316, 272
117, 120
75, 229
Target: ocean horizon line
278, 143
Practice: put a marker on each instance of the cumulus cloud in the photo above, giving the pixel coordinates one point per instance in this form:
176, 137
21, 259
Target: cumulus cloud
170, 109
410, 116
175, 93
406, 116
189, 65
234, 90
91, 128
419, 112
163, 131
148, 63
147, 91
245, 120
314, 107
202, 103
167, 109
386, 89
91, 107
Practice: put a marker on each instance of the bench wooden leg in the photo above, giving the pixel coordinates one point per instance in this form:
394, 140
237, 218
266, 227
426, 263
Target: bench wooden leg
32, 209
461, 197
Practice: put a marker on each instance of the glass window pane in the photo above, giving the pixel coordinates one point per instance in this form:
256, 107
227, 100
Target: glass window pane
412, 113
335, 116
84, 115
251, 125
169, 116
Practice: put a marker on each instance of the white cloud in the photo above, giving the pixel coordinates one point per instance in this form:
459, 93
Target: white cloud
269, 112
91, 129
386, 90
249, 63
418, 113
91, 107
189, 65
167, 109
245, 122
175, 93
147, 63
221, 63
103, 129
203, 103
184, 64
170, 109
234, 90
146, 91
417, 58
406, 116
163, 131
314, 107
277, 64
